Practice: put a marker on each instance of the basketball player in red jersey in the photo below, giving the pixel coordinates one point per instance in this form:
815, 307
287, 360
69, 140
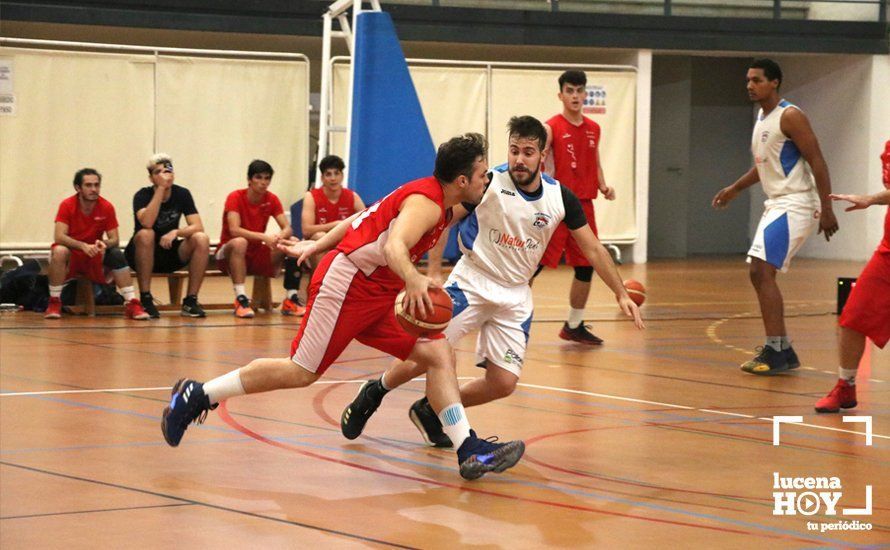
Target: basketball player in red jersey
326, 206
573, 142
867, 312
351, 297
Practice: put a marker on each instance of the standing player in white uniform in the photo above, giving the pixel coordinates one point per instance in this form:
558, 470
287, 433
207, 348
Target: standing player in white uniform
789, 164
502, 240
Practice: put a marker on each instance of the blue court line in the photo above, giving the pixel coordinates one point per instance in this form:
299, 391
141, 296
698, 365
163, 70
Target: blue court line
576, 492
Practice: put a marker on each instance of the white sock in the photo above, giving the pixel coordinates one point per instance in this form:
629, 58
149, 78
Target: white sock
292, 294
455, 424
240, 290
129, 292
774, 342
786, 343
55, 291
576, 317
383, 382
848, 375
224, 387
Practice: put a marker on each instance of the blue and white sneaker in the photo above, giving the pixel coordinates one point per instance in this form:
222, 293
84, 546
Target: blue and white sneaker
188, 404
480, 456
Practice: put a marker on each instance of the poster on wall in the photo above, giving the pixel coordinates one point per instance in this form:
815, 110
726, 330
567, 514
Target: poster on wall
7, 98
595, 102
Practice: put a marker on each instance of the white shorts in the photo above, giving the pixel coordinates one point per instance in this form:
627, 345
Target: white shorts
502, 314
781, 232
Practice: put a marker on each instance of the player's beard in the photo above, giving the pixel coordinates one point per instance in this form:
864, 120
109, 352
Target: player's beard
531, 178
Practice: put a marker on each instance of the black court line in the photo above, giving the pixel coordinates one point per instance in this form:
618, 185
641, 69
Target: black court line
96, 511
209, 505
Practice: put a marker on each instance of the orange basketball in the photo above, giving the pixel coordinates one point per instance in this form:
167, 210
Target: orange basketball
434, 322
636, 291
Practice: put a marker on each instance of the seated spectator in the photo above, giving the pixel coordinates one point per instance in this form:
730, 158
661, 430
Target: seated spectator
244, 246
78, 249
324, 207
159, 245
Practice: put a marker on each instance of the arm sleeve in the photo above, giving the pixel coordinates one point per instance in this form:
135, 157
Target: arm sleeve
231, 203
575, 217
141, 199
112, 218
188, 203
64, 214
276, 206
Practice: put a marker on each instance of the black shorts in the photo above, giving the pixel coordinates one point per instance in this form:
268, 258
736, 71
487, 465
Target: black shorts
166, 260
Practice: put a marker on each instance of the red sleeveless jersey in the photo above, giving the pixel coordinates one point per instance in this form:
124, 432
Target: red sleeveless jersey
327, 211
365, 239
575, 151
885, 163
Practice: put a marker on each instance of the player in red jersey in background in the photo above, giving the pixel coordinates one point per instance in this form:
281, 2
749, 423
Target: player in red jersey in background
867, 312
326, 206
573, 142
78, 249
244, 245
351, 297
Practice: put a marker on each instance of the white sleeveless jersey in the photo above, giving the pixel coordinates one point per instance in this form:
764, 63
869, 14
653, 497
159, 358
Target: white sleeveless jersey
784, 173
506, 234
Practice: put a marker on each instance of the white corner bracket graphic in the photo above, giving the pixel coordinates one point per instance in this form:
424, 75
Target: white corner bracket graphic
865, 420
777, 420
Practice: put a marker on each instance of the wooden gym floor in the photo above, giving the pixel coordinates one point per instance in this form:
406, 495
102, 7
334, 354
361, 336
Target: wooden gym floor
656, 439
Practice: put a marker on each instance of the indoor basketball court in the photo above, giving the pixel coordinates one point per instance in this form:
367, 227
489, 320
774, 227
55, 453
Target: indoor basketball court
654, 439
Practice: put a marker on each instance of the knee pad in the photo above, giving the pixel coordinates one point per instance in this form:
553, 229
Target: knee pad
114, 259
584, 273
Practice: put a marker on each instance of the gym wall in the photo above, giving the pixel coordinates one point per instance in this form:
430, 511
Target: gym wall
212, 115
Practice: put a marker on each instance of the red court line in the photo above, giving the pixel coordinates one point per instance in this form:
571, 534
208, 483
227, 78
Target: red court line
227, 418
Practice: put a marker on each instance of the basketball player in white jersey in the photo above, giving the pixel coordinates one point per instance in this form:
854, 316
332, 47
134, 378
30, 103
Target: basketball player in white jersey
502, 240
789, 164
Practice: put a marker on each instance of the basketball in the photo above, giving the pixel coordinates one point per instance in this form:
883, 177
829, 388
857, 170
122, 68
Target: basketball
434, 322
636, 291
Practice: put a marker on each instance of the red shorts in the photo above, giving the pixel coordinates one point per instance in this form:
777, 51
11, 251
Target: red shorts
81, 265
868, 308
346, 305
258, 259
562, 241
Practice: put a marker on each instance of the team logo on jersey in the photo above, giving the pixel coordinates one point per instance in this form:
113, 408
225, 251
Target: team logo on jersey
542, 219
512, 242
512, 357
506, 192
764, 136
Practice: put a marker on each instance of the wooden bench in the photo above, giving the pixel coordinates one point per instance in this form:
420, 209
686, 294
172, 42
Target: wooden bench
261, 294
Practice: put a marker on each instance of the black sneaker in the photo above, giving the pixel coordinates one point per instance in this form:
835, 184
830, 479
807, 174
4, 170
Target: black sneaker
191, 308
427, 422
188, 404
767, 362
480, 456
148, 304
357, 413
791, 358
580, 334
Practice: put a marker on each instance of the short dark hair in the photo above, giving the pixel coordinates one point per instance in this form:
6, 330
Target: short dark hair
331, 161
78, 176
771, 69
527, 127
457, 156
258, 166
575, 78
